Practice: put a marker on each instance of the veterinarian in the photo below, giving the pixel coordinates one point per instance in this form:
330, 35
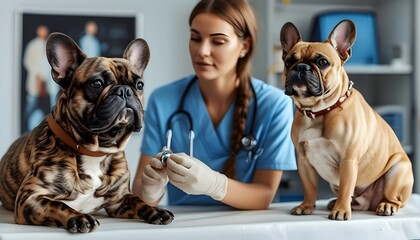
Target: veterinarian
241, 125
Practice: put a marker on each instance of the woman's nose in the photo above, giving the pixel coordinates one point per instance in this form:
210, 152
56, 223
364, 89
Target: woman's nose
204, 48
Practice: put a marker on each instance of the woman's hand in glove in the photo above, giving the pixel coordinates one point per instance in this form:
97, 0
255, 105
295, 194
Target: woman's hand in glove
154, 181
194, 177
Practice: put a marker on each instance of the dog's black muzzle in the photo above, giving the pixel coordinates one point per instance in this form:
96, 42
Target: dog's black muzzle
302, 75
118, 107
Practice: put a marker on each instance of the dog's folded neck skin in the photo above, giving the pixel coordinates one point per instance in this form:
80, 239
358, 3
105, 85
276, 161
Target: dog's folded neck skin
308, 112
61, 134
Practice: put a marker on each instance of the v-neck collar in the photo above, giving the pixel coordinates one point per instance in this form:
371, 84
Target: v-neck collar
217, 139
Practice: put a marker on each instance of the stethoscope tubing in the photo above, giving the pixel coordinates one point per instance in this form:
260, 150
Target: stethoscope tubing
248, 138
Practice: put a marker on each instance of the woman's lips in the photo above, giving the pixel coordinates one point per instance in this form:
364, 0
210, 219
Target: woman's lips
203, 65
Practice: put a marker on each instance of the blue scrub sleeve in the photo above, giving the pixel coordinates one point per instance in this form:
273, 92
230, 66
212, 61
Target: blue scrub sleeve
278, 149
152, 138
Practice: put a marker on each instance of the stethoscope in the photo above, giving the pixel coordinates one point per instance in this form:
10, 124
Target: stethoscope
248, 142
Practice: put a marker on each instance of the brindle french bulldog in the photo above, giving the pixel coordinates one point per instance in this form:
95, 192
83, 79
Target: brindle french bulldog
73, 163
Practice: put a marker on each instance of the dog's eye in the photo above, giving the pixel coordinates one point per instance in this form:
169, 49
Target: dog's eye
288, 63
322, 62
139, 85
97, 83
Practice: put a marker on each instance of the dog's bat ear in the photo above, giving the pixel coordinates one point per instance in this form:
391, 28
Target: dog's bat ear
342, 38
64, 56
289, 36
138, 53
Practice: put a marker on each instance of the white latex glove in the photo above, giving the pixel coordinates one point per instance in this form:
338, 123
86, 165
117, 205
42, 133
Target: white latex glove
154, 181
194, 177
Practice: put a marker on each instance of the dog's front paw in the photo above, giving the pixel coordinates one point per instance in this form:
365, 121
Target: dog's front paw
302, 210
340, 215
82, 223
387, 209
156, 215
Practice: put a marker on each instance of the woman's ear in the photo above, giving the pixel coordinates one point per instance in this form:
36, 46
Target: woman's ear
246, 43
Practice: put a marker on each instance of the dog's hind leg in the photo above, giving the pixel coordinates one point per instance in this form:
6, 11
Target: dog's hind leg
398, 185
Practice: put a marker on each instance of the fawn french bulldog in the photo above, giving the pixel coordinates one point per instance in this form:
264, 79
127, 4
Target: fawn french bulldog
338, 136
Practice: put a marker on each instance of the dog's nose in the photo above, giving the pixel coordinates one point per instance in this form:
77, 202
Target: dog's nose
124, 92
303, 67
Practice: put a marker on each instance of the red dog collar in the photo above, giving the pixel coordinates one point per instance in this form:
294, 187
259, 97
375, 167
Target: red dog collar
313, 115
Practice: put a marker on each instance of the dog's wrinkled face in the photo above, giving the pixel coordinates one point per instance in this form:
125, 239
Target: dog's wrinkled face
313, 70
309, 68
100, 97
107, 98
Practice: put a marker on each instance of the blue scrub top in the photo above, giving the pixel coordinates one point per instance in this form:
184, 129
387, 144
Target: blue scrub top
273, 123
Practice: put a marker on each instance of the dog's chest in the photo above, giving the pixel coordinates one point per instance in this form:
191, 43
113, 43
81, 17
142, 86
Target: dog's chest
321, 152
309, 129
86, 202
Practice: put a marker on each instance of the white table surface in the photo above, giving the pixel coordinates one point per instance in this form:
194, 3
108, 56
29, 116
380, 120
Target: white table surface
200, 223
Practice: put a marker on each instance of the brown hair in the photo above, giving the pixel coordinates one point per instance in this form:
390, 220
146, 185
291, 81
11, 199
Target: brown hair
240, 15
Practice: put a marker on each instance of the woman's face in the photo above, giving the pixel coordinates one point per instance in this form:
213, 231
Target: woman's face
214, 47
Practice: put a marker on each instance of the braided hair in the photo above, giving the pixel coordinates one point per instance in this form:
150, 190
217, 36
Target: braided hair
239, 14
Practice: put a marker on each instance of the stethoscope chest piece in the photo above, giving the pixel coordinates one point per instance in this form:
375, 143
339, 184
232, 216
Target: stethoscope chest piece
165, 155
248, 142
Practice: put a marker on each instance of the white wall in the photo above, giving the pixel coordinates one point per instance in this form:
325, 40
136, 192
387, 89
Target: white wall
165, 29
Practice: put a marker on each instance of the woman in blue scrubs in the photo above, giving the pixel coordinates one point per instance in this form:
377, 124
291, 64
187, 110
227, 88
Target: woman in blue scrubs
225, 104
